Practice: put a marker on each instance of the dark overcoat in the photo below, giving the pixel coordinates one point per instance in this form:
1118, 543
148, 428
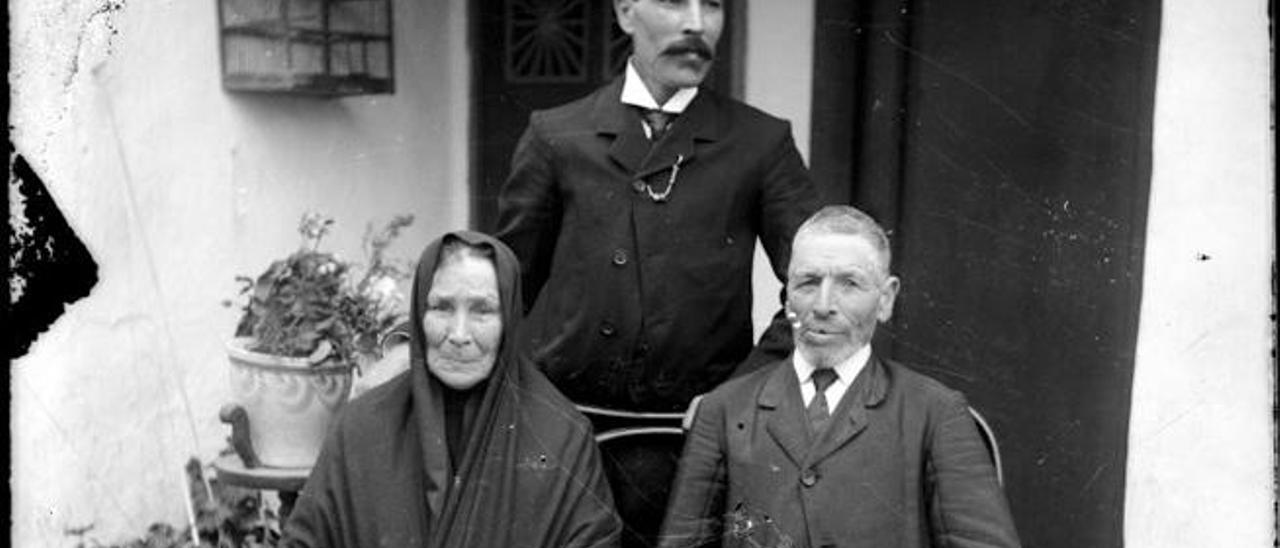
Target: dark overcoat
637, 303
901, 464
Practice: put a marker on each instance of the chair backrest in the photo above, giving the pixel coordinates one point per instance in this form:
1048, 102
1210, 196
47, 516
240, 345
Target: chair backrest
641, 454
989, 438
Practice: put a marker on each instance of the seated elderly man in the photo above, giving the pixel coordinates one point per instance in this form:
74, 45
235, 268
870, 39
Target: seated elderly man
835, 446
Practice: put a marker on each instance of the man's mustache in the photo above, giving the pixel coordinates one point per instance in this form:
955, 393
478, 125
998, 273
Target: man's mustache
807, 327
803, 325
690, 45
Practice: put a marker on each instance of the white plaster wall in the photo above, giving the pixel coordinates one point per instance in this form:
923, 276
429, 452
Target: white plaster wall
175, 187
778, 79
1200, 455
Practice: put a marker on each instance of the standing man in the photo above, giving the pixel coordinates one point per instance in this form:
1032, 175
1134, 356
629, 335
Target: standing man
635, 211
836, 446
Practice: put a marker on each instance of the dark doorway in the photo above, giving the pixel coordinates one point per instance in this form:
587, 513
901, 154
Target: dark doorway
536, 54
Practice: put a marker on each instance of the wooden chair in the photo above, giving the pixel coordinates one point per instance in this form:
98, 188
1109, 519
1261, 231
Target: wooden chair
640, 452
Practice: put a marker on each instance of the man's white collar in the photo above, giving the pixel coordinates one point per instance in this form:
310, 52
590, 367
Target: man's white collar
846, 370
635, 93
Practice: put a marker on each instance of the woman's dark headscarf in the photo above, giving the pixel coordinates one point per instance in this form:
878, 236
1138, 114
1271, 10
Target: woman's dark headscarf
460, 408
528, 473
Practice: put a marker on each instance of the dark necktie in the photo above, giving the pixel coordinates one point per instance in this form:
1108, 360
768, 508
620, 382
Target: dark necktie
817, 410
657, 121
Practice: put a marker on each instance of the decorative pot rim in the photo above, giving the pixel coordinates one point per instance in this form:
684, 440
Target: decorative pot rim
237, 349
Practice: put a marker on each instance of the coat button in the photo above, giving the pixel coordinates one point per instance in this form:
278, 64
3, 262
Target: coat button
809, 479
607, 329
638, 186
619, 257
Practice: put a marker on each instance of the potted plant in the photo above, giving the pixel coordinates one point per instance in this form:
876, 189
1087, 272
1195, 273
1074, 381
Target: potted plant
310, 320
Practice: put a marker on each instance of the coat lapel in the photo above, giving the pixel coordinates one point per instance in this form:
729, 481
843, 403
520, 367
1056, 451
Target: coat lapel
633, 152
630, 148
698, 123
851, 418
620, 123
780, 400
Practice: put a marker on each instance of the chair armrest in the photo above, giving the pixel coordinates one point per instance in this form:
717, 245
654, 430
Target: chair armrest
686, 423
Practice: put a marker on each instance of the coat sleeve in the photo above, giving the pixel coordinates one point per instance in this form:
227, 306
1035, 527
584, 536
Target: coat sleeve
967, 506
788, 197
529, 210
695, 513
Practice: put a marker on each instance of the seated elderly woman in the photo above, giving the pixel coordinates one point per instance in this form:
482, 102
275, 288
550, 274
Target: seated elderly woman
470, 447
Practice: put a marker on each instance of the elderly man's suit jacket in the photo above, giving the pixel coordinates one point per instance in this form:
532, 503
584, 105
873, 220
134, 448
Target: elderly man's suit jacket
639, 304
900, 464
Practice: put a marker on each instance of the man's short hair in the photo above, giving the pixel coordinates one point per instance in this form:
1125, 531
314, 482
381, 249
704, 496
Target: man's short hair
844, 219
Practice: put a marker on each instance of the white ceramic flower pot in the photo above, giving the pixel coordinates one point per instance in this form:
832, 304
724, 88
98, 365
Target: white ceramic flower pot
290, 403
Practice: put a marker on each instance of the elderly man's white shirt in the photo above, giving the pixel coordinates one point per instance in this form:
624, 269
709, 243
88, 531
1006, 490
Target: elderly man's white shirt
846, 371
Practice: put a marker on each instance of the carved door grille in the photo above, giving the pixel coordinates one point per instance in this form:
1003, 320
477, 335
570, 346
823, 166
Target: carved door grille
546, 41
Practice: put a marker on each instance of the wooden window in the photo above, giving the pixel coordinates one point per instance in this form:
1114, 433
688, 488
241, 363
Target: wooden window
309, 47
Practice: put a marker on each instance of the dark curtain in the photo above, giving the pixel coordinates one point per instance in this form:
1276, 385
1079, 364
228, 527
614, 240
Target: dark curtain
1007, 145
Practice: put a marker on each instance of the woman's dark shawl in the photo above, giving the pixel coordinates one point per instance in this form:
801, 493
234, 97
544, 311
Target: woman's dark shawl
530, 475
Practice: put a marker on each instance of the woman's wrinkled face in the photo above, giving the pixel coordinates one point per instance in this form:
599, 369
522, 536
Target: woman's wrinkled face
463, 321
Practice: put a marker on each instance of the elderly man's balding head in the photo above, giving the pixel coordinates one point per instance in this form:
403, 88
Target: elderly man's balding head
843, 219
